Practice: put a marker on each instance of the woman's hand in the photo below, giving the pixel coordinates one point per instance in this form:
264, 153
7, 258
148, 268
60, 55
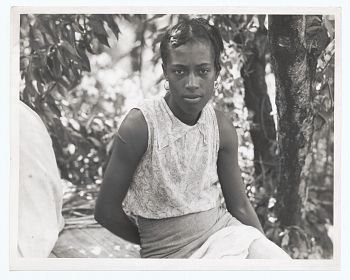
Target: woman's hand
129, 146
229, 173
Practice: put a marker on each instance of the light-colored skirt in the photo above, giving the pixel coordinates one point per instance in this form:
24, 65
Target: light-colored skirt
196, 235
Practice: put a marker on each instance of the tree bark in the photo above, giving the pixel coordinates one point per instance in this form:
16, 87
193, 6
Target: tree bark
294, 69
262, 131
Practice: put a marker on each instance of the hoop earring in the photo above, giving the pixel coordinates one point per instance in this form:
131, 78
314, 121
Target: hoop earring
216, 85
166, 85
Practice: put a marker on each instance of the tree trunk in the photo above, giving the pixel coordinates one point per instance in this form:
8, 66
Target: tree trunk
294, 69
263, 132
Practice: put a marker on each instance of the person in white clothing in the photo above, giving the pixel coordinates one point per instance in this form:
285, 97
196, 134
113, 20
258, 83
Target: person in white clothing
40, 189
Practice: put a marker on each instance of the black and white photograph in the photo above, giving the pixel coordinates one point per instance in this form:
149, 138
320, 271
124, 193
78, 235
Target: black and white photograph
196, 135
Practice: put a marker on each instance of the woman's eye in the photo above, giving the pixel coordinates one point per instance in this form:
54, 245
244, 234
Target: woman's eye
179, 72
203, 71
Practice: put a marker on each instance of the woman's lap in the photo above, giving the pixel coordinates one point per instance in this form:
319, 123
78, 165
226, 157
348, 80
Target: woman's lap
264, 248
196, 234
179, 237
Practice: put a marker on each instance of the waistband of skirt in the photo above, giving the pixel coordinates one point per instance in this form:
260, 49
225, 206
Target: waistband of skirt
180, 236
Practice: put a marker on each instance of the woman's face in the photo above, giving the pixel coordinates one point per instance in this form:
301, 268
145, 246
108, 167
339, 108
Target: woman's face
191, 74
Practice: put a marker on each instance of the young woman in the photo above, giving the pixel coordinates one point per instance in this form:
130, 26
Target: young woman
169, 154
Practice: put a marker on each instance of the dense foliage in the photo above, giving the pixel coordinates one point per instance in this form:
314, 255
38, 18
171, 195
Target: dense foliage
82, 89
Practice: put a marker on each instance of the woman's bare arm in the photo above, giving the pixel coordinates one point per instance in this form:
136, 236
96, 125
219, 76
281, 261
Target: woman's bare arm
229, 173
129, 146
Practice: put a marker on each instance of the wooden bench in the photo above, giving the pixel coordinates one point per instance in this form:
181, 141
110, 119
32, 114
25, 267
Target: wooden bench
92, 242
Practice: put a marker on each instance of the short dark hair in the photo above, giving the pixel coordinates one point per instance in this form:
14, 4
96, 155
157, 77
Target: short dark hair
190, 29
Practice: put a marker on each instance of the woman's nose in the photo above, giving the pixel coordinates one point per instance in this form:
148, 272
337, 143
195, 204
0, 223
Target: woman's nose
192, 82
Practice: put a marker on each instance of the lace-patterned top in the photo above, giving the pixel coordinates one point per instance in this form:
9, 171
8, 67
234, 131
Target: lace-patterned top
178, 173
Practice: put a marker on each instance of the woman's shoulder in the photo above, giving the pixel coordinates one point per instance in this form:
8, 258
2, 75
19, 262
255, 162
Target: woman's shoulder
223, 122
227, 132
133, 129
150, 108
139, 116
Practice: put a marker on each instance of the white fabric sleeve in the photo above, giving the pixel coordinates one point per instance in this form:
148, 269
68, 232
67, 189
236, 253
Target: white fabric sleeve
40, 189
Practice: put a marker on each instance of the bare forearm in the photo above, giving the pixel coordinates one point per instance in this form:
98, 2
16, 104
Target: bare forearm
246, 214
119, 224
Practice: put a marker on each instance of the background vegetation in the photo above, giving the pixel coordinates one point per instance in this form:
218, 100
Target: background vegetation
82, 73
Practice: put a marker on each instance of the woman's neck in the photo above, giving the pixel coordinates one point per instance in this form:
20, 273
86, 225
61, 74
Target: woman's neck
189, 119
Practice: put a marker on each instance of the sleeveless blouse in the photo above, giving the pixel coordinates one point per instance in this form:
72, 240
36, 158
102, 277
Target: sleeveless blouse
177, 175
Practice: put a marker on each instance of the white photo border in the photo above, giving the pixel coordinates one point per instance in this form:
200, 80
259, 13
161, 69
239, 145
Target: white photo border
17, 263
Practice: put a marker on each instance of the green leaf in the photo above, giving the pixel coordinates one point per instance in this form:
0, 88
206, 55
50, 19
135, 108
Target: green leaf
77, 27
56, 66
62, 59
48, 39
64, 81
24, 62
33, 43
48, 88
61, 89
156, 17
48, 27
89, 49
96, 142
109, 145
84, 59
68, 74
126, 17
37, 75
40, 88
74, 124
76, 73
30, 71
285, 240
52, 105
36, 37
32, 89
97, 26
60, 131
102, 39
50, 66
46, 73
68, 34
70, 50
112, 25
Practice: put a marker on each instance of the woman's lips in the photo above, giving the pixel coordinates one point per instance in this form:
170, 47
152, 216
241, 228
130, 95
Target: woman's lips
192, 99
